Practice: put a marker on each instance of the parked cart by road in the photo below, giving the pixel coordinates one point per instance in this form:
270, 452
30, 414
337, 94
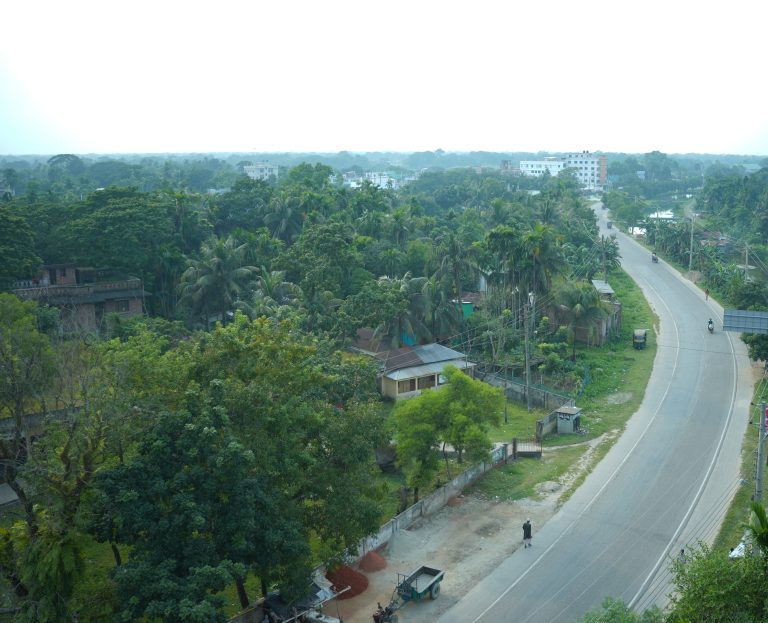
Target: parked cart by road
422, 583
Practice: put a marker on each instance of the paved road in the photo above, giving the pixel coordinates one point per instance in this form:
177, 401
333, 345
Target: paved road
666, 483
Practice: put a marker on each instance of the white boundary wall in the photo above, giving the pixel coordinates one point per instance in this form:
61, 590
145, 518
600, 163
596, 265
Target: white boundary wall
428, 505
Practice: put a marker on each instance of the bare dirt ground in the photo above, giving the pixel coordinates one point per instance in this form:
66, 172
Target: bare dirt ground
467, 540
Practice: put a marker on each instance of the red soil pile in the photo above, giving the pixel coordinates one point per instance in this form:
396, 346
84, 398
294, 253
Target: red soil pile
345, 576
454, 501
373, 561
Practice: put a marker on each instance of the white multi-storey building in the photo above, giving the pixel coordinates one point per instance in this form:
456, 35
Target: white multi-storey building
590, 170
537, 168
261, 170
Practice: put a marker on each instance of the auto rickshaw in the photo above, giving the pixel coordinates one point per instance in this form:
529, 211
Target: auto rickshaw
639, 337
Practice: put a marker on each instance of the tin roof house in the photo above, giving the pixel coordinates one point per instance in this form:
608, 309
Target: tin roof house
408, 370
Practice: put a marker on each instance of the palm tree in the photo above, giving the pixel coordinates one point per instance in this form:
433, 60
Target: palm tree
610, 257
581, 306
285, 216
370, 223
541, 258
410, 319
758, 526
456, 263
443, 314
212, 283
170, 264
273, 296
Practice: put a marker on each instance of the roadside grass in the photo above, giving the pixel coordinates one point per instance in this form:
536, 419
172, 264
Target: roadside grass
738, 513
518, 479
520, 423
618, 376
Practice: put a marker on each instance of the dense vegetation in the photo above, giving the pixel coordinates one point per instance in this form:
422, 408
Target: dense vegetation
219, 437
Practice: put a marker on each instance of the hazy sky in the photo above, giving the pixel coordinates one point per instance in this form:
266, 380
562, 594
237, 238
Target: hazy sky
281, 75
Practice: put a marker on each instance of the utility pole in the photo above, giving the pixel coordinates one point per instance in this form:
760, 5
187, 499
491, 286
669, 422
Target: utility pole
760, 456
690, 250
526, 328
506, 396
746, 261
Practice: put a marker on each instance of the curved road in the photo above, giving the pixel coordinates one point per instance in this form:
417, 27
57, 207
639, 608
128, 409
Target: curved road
666, 483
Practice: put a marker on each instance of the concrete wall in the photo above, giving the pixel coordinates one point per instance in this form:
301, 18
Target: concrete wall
428, 505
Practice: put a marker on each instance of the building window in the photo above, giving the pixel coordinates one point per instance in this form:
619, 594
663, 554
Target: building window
408, 385
426, 382
123, 305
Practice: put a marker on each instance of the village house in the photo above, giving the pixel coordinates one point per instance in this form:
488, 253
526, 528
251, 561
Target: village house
81, 295
408, 370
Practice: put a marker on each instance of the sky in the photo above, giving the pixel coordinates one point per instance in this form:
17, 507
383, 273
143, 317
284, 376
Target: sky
162, 76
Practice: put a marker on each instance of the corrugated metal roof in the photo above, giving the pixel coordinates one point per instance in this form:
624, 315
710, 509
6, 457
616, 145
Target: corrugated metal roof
602, 286
432, 353
426, 369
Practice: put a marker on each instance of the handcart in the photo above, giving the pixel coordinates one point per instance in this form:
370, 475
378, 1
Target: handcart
422, 583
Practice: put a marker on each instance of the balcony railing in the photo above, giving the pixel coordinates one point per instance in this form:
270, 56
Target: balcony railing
40, 291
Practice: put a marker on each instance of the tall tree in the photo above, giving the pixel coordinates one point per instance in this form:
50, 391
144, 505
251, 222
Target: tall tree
409, 317
189, 505
17, 256
456, 264
581, 307
211, 285
312, 444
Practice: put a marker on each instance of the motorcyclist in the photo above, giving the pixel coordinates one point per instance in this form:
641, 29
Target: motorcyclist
710, 325
654, 258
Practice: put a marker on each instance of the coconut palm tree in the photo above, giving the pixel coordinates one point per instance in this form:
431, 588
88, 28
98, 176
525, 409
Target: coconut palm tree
455, 265
273, 296
212, 284
410, 319
580, 306
541, 258
610, 258
285, 216
443, 314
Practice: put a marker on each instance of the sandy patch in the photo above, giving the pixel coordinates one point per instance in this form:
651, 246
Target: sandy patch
619, 398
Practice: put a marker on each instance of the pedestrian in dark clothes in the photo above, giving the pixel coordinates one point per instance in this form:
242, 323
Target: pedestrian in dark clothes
527, 533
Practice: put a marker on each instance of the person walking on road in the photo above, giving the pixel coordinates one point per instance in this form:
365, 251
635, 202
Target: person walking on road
706, 294
527, 533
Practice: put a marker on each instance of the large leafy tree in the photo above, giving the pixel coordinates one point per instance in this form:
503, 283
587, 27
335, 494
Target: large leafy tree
244, 206
458, 414
17, 254
27, 361
312, 442
710, 586
118, 228
190, 506
325, 258
41, 555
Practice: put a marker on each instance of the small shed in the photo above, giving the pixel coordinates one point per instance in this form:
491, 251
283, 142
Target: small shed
568, 420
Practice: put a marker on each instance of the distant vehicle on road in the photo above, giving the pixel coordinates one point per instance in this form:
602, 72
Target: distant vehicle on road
609, 224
